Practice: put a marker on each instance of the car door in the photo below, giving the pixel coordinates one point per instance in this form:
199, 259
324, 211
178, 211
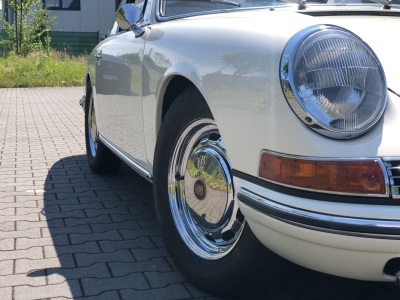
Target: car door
119, 93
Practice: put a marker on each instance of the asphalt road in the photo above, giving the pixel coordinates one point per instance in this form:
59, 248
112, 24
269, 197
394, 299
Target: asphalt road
68, 233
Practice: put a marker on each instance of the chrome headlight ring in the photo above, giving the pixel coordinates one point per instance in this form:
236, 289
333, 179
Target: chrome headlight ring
333, 81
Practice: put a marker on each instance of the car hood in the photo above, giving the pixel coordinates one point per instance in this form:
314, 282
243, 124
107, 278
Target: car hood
380, 33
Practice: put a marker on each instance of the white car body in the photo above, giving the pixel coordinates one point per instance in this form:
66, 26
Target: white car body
253, 115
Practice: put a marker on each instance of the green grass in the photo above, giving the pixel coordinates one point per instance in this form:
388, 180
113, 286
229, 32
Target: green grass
39, 70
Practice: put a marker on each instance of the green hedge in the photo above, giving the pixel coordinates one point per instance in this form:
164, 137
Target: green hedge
74, 43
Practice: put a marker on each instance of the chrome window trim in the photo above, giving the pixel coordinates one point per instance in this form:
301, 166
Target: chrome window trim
381, 164
127, 159
372, 228
288, 56
161, 18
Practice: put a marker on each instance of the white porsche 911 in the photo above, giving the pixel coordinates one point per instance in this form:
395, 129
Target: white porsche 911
262, 125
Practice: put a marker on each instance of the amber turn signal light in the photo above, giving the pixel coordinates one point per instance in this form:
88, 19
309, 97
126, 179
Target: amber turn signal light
340, 176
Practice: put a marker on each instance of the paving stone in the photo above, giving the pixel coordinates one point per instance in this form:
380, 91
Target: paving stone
6, 293
58, 275
47, 232
146, 254
143, 243
89, 247
131, 217
84, 259
28, 217
94, 287
68, 215
79, 189
6, 268
26, 204
172, 292
8, 199
6, 244
159, 280
68, 290
110, 295
7, 226
70, 201
26, 243
107, 211
28, 265
112, 235
24, 225
148, 223
196, 291
7, 212
158, 241
113, 204
115, 226
31, 253
80, 221
61, 196
97, 199
171, 263
28, 210
124, 268
94, 205
23, 279
133, 234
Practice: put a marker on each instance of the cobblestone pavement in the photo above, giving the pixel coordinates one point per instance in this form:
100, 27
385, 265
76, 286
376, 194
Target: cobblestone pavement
68, 233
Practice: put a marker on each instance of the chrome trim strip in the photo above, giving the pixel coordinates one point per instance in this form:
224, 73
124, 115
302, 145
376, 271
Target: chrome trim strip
394, 188
381, 164
320, 221
126, 159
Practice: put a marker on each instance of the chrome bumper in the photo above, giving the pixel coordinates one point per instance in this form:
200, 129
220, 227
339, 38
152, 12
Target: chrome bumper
384, 229
82, 102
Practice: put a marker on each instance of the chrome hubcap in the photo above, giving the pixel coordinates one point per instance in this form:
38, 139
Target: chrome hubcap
201, 192
92, 128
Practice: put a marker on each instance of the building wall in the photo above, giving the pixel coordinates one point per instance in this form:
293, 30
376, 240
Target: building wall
95, 15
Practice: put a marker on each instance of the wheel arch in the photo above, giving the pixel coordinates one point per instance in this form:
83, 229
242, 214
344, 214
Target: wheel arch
171, 87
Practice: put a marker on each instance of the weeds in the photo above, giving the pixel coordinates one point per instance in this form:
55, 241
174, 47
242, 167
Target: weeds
43, 68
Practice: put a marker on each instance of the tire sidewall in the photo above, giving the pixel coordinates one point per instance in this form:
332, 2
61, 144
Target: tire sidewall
212, 275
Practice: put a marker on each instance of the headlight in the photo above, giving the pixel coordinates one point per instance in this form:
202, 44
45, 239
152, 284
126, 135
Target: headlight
333, 81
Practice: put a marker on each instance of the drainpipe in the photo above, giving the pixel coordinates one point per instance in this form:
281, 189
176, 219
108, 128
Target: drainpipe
20, 27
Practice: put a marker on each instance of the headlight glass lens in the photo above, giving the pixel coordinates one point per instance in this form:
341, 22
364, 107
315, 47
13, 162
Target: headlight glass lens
339, 83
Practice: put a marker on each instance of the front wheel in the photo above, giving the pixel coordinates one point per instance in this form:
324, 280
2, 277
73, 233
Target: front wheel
200, 221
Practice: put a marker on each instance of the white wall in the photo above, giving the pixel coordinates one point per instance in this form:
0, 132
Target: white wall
95, 15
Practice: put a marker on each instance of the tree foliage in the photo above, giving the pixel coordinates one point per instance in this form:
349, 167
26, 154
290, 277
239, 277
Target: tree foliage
29, 31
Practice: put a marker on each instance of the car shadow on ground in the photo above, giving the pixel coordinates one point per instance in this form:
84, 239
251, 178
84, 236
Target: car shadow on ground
106, 238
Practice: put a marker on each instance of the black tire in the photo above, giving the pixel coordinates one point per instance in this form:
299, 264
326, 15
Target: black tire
103, 161
249, 268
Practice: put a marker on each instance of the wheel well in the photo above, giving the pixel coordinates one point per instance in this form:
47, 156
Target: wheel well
176, 86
